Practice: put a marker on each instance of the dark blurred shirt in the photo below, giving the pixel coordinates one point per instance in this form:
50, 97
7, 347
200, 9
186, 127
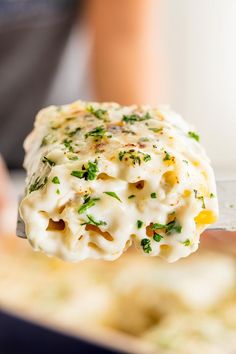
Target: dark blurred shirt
33, 34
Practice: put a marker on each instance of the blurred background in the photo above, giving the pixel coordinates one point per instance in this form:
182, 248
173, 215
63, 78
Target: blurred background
178, 53
196, 74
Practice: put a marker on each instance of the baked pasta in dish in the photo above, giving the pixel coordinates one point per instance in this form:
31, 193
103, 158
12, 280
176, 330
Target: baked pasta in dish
102, 176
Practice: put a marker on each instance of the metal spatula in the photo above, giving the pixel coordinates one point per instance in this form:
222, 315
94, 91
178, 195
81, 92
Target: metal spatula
227, 204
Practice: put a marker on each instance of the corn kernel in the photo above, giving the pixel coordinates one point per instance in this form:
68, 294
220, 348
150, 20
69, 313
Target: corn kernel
186, 193
205, 217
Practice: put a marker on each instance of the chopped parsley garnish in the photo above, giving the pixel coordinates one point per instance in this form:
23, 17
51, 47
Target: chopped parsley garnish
58, 191
126, 131
157, 237
139, 224
170, 228
136, 156
212, 195
73, 158
146, 244
93, 221
50, 162
98, 113
147, 158
45, 140
121, 155
136, 118
131, 196
153, 195
70, 118
98, 132
56, 180
203, 202
113, 195
38, 184
145, 139
73, 132
156, 130
78, 174
67, 144
187, 242
167, 156
88, 203
185, 161
193, 135
88, 173
173, 227
156, 226
200, 198
92, 170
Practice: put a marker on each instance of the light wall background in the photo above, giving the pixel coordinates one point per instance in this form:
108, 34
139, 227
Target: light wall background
198, 42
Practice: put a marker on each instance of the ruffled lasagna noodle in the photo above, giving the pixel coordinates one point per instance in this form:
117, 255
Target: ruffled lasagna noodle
101, 177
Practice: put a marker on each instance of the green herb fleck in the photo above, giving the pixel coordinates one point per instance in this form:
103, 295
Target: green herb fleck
173, 227
157, 237
93, 221
139, 224
167, 156
38, 184
113, 195
88, 173
98, 132
187, 242
50, 162
170, 228
73, 132
156, 130
121, 155
78, 174
156, 226
193, 135
98, 113
212, 195
147, 158
44, 141
200, 198
88, 203
135, 156
145, 139
92, 170
58, 191
73, 158
203, 202
185, 161
131, 196
153, 195
67, 144
146, 244
56, 180
127, 131
136, 118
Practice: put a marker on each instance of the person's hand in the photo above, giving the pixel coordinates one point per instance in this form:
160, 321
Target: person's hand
7, 202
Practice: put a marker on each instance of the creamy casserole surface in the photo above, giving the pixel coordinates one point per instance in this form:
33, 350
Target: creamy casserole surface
101, 176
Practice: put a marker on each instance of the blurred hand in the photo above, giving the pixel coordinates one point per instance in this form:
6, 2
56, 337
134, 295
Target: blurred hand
125, 56
7, 202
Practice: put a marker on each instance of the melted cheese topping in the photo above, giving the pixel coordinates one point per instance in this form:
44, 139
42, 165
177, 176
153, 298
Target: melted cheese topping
102, 176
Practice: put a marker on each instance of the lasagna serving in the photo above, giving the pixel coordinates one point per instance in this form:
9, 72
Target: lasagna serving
103, 176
